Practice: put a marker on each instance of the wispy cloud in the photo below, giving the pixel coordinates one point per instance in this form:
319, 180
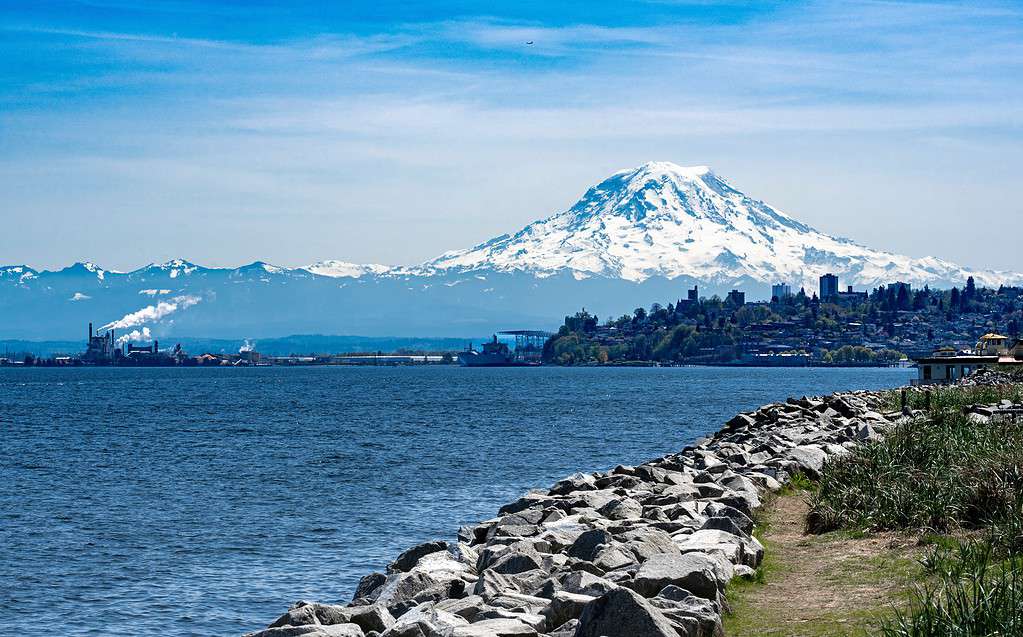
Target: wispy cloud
301, 128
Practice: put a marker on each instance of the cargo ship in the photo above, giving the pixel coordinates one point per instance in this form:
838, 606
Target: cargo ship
494, 354
527, 352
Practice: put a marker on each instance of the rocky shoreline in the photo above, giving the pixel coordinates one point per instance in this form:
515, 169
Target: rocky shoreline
643, 551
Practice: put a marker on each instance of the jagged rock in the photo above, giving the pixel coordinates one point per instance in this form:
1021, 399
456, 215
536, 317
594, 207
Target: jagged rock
409, 558
565, 606
809, 459
409, 630
565, 630
368, 585
647, 541
695, 572
430, 619
522, 504
401, 588
517, 561
623, 613
623, 509
304, 613
518, 601
583, 583
722, 523
573, 483
372, 617
336, 630
691, 615
491, 583
495, 628
588, 544
613, 557
533, 620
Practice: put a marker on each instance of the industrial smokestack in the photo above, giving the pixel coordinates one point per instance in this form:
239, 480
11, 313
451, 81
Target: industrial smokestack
90, 330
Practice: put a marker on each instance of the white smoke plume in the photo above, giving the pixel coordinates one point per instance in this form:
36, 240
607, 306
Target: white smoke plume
136, 336
152, 312
248, 346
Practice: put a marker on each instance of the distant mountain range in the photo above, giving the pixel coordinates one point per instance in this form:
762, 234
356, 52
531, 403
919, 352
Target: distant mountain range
640, 235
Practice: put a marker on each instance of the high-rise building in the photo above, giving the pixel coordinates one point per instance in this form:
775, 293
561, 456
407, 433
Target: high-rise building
737, 298
780, 291
829, 286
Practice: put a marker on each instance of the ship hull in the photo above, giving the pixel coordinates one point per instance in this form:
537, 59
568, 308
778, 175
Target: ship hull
477, 359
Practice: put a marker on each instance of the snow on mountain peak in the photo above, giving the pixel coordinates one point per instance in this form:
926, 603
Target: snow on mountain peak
343, 269
663, 219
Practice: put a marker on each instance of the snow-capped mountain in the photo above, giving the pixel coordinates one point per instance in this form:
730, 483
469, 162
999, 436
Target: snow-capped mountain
641, 235
344, 269
665, 220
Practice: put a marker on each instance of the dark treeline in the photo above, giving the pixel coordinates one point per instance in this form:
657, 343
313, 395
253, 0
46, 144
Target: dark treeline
851, 328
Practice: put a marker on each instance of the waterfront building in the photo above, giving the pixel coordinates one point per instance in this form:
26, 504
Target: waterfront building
828, 287
947, 365
992, 345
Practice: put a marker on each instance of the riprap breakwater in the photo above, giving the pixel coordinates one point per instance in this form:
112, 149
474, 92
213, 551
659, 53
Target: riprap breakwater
643, 551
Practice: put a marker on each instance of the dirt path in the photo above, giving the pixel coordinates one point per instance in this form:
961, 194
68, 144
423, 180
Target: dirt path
821, 585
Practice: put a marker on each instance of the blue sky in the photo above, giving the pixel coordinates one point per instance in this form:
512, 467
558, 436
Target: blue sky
389, 132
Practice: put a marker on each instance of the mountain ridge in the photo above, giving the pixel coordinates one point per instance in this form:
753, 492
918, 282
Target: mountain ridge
642, 234
659, 219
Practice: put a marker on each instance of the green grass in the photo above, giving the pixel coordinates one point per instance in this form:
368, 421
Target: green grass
938, 474
960, 485
979, 593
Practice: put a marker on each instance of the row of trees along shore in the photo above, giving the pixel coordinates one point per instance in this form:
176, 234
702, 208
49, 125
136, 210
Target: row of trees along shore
716, 330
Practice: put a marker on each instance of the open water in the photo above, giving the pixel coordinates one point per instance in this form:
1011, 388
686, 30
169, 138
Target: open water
204, 501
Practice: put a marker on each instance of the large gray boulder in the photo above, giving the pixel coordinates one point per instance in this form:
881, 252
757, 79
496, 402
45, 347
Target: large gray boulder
622, 509
565, 606
623, 613
517, 561
368, 585
695, 572
583, 583
407, 560
401, 588
588, 544
305, 614
692, 616
809, 458
495, 628
336, 630
372, 617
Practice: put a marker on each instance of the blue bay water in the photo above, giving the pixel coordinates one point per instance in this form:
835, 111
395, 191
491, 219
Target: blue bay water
205, 501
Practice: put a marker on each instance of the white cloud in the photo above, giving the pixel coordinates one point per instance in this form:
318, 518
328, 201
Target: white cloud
78, 296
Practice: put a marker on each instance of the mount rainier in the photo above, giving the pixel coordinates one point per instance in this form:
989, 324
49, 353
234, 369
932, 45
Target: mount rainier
641, 235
